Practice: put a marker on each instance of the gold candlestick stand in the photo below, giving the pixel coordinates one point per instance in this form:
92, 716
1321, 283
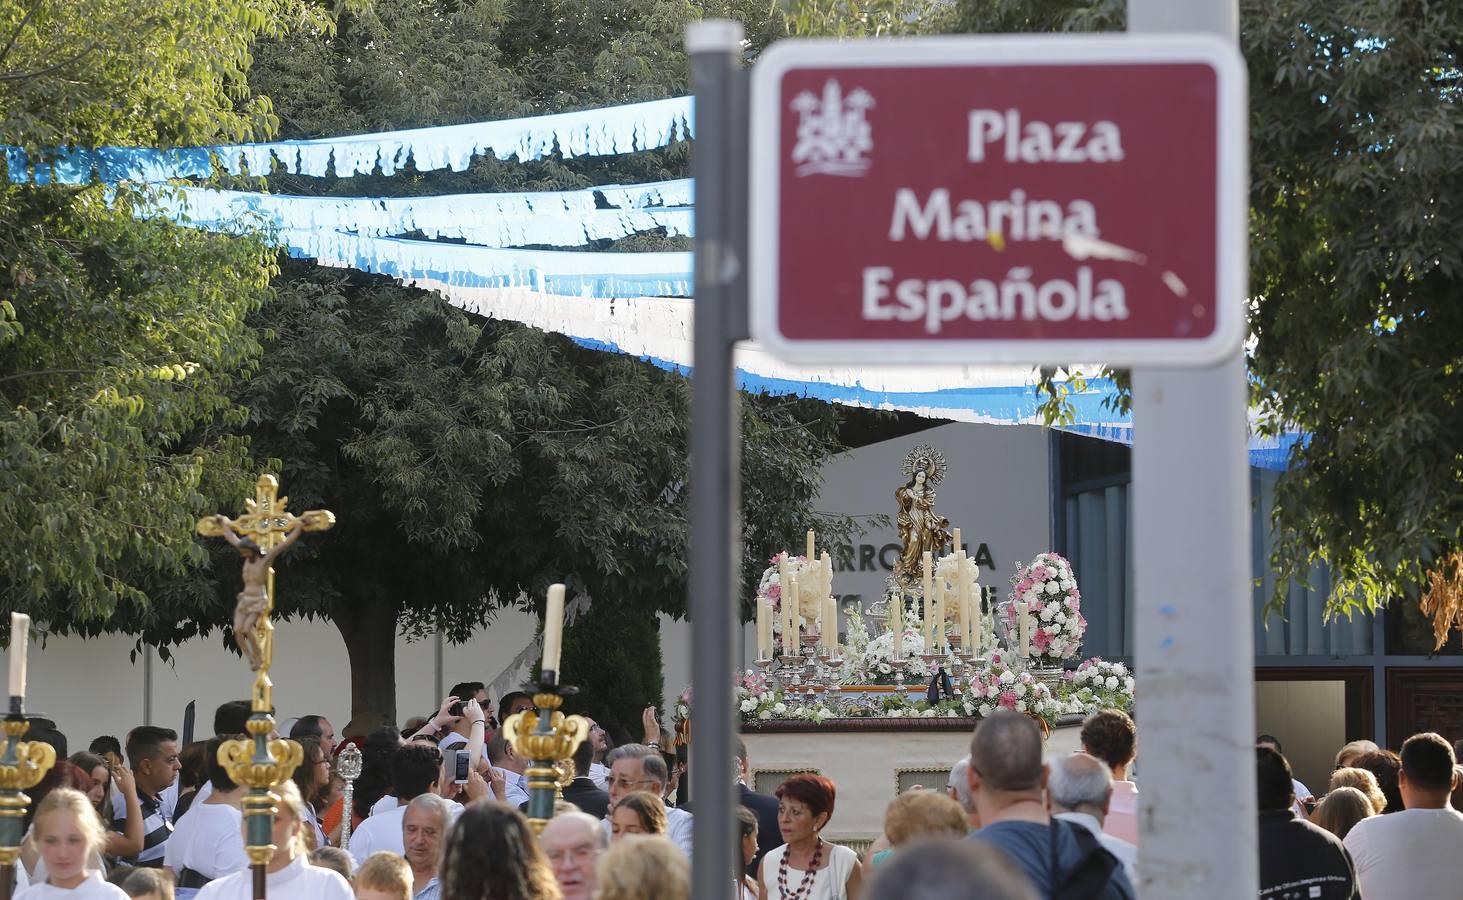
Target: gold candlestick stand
548, 739
22, 766
256, 762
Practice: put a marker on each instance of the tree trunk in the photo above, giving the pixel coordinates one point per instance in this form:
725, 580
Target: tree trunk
369, 630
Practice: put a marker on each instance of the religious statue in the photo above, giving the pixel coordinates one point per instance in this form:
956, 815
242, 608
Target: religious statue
920, 528
254, 598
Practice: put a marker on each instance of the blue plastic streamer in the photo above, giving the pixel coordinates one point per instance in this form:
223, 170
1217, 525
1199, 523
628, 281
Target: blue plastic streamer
548, 218
593, 132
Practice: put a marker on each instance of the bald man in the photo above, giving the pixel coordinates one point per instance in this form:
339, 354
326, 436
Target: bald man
573, 842
1008, 781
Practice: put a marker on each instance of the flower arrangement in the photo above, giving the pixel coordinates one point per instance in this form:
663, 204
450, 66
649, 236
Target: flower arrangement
1047, 590
757, 697
1001, 687
769, 590
1098, 684
874, 663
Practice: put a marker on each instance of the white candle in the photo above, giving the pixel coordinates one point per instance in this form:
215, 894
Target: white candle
1024, 618
790, 624
957, 541
939, 622
19, 638
762, 632
896, 621
927, 562
553, 628
962, 597
830, 624
811, 557
827, 573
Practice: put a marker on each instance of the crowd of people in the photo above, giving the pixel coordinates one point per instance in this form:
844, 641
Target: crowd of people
438, 813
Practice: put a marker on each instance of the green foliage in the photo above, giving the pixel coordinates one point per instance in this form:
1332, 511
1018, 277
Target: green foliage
625, 642
119, 339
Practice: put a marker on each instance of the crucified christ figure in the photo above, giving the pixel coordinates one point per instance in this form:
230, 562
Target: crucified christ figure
254, 598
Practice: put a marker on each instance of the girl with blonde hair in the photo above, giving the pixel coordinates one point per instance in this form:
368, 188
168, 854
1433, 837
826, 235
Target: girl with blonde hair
1341, 810
643, 867
289, 875
1364, 781
383, 876
68, 834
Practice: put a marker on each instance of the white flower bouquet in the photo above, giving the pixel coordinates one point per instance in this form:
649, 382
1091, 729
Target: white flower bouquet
1047, 590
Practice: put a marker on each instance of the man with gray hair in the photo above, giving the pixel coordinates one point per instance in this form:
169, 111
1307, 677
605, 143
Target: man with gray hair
1078, 790
637, 767
1008, 779
573, 842
958, 787
422, 828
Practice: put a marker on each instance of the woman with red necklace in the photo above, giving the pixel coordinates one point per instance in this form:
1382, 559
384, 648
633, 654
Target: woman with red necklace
806, 867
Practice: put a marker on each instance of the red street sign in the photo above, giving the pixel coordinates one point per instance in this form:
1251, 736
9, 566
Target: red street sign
999, 199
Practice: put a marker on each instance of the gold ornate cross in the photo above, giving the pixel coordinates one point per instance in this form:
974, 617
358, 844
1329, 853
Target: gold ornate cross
261, 533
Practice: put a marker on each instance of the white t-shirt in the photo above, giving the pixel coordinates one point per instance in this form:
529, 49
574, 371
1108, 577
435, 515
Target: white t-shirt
93, 888
383, 832
600, 775
1413, 853
1122, 813
296, 881
386, 804
210, 843
450, 742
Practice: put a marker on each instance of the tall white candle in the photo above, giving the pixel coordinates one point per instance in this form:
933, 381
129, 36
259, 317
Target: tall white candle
829, 627
928, 564
19, 638
790, 624
553, 627
762, 631
827, 573
810, 555
1024, 617
939, 622
896, 621
957, 541
962, 597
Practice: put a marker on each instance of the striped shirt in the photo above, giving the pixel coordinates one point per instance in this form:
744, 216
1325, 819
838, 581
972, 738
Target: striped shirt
432, 891
156, 829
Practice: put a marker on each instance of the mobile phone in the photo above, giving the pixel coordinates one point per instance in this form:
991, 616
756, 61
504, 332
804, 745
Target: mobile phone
455, 709
460, 766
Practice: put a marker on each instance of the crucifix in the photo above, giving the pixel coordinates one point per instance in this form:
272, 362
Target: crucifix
261, 534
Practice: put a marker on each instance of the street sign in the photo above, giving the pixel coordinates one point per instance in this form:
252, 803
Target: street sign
1013, 199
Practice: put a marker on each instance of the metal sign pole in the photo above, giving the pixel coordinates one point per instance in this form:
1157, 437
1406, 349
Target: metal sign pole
1194, 628
718, 156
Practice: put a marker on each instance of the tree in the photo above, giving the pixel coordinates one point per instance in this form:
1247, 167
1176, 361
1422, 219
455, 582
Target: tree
119, 339
1356, 129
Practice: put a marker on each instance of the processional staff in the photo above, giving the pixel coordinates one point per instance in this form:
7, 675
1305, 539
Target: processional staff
264, 532
22, 765
348, 767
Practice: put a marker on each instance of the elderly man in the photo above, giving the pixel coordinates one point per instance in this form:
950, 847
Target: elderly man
426, 821
958, 787
1078, 790
1008, 779
638, 767
573, 842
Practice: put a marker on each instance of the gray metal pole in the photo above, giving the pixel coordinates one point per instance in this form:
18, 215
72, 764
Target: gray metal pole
718, 152
1195, 652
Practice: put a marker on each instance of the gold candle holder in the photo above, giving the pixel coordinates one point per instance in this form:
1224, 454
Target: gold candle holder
22, 766
547, 738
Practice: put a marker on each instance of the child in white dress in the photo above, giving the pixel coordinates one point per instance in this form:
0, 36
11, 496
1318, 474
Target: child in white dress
69, 833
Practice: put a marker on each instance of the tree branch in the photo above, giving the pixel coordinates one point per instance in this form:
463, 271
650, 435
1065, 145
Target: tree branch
22, 76
15, 35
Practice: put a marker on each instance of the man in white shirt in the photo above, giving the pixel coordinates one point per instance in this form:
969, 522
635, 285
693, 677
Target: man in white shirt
415, 770
599, 773
1078, 790
502, 758
639, 767
1417, 852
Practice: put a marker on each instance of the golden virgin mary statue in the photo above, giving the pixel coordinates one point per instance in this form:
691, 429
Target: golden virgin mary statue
920, 528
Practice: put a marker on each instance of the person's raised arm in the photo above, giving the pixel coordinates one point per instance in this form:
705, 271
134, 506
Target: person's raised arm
225, 525
476, 732
128, 842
